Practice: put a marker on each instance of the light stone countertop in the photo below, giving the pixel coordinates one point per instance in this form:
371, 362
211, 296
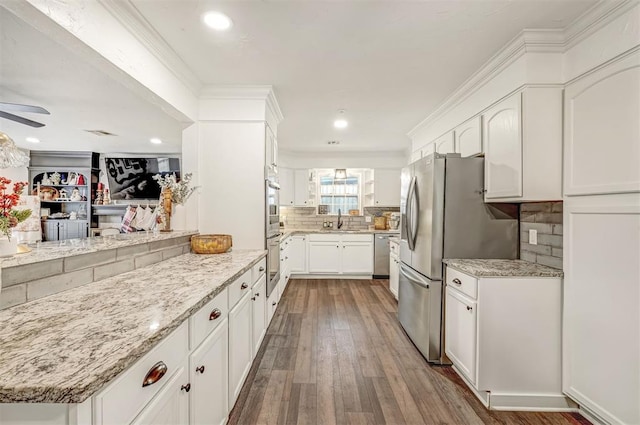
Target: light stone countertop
289, 232
502, 268
66, 347
44, 251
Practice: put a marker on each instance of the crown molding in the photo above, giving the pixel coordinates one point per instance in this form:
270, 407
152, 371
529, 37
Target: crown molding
245, 92
529, 41
133, 21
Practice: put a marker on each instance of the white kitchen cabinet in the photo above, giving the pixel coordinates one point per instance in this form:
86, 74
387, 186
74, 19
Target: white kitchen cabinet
287, 186
357, 258
461, 332
394, 275
325, 257
445, 143
259, 312
271, 152
304, 195
503, 336
171, 405
272, 304
297, 254
601, 319
415, 155
240, 346
602, 134
386, 187
522, 137
468, 136
209, 367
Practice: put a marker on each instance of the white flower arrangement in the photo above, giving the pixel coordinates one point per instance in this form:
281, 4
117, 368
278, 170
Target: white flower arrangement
180, 190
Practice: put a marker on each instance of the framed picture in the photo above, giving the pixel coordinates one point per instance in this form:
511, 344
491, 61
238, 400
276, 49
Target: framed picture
45, 212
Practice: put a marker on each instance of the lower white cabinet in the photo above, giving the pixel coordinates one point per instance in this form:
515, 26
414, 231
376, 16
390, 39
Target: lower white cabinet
171, 405
324, 257
208, 369
503, 336
258, 312
297, 254
340, 253
394, 275
240, 346
357, 258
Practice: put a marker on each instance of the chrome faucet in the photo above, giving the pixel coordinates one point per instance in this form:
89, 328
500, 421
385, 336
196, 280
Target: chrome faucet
340, 222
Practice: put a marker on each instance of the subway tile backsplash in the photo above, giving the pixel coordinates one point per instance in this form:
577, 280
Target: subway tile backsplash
546, 218
306, 218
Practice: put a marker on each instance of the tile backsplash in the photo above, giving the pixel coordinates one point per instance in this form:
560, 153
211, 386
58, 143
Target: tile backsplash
306, 218
546, 218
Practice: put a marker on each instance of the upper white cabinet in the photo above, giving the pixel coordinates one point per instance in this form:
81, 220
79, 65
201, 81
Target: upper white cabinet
304, 188
522, 137
602, 130
468, 137
386, 187
287, 186
445, 144
271, 152
503, 138
415, 155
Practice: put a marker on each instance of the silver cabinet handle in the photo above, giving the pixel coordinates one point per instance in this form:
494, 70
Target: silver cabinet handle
457, 281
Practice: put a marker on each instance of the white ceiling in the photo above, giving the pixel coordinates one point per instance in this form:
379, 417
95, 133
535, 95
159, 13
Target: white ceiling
38, 71
388, 64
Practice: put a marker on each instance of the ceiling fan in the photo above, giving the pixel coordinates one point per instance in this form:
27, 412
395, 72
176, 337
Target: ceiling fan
16, 107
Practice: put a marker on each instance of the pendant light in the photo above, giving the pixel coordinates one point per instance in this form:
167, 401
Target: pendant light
340, 173
10, 155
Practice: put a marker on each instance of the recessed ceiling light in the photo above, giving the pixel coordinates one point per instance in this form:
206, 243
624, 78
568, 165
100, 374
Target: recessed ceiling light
218, 21
155, 141
340, 122
32, 140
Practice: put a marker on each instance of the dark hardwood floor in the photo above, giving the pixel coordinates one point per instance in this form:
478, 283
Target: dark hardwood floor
336, 354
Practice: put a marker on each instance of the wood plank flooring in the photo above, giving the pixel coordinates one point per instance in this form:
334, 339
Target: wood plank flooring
336, 354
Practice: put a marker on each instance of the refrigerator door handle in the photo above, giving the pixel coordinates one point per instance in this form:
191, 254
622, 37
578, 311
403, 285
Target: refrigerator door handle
410, 240
414, 201
413, 277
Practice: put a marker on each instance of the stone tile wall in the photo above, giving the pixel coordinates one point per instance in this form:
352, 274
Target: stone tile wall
306, 218
29, 282
546, 218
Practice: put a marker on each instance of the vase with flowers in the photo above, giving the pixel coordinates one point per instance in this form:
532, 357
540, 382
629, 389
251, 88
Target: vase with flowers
9, 216
174, 191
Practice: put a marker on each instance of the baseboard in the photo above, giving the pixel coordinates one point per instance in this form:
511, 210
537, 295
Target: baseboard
483, 396
592, 417
330, 276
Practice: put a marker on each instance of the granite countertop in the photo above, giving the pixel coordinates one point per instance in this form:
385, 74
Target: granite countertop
43, 251
288, 232
66, 347
502, 268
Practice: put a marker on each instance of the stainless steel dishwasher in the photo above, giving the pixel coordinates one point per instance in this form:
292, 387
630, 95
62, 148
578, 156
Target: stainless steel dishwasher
381, 256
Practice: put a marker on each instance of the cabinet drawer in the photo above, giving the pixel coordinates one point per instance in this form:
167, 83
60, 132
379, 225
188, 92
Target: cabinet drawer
464, 283
259, 268
205, 320
125, 397
394, 248
351, 237
324, 237
239, 287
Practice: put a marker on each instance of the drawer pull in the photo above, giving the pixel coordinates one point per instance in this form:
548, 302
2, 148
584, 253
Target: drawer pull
156, 372
274, 304
216, 313
200, 369
261, 269
257, 294
253, 298
244, 286
469, 308
186, 388
457, 281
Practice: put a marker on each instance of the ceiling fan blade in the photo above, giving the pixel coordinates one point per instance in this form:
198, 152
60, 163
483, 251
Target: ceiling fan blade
23, 108
21, 120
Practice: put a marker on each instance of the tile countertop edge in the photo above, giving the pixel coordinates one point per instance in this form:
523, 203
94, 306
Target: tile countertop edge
480, 268
72, 395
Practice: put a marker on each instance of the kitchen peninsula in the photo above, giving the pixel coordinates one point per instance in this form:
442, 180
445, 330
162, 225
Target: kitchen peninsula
77, 353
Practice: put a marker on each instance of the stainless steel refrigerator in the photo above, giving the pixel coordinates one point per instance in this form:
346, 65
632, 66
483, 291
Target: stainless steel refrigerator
443, 215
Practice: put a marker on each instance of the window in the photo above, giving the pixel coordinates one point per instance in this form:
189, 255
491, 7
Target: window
340, 193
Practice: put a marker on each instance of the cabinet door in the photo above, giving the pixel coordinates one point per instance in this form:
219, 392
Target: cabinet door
240, 344
272, 303
415, 155
75, 230
324, 257
461, 333
50, 230
171, 405
258, 313
469, 137
297, 262
209, 378
271, 151
287, 191
386, 187
357, 257
303, 186
502, 136
394, 275
445, 144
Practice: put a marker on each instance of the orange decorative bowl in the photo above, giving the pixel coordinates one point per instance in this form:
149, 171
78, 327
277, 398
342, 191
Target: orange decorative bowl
211, 244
